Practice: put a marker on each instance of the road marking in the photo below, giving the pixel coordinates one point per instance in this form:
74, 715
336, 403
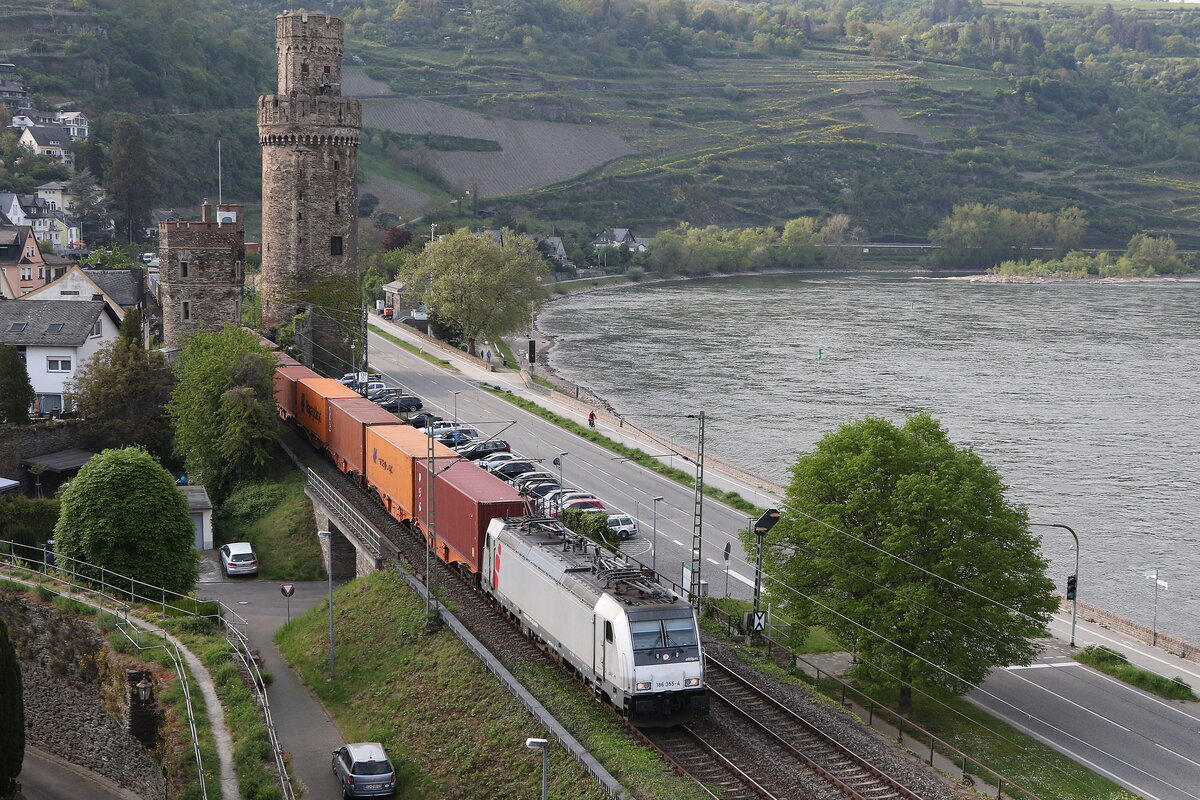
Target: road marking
1016, 667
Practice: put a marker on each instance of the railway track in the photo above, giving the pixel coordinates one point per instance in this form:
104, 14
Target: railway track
771, 744
750, 745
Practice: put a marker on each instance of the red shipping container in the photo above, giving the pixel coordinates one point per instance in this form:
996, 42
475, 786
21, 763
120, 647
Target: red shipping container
285, 387
392, 450
466, 498
349, 419
312, 404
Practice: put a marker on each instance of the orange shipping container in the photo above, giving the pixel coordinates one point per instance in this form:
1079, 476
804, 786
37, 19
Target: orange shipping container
349, 419
312, 403
391, 452
285, 387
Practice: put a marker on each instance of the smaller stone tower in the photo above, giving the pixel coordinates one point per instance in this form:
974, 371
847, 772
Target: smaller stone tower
201, 276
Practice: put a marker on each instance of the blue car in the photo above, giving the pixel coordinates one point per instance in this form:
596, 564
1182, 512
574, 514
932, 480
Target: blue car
456, 438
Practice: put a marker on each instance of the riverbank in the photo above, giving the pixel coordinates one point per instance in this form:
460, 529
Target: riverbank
1041, 279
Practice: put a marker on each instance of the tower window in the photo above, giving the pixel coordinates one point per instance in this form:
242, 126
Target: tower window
304, 68
326, 70
299, 215
187, 310
183, 269
337, 207
237, 270
337, 165
335, 245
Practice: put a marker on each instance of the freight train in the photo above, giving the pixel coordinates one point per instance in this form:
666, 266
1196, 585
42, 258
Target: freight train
635, 643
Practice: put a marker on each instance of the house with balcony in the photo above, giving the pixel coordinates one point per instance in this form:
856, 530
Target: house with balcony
53, 337
47, 140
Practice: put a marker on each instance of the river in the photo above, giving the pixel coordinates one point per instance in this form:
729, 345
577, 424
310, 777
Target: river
1081, 395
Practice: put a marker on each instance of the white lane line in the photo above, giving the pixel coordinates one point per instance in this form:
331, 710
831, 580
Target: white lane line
1016, 667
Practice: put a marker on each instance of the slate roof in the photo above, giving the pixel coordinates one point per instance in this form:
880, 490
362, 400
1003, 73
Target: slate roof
12, 244
124, 286
49, 135
42, 319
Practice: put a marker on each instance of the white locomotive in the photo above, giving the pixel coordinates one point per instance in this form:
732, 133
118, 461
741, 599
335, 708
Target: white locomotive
632, 640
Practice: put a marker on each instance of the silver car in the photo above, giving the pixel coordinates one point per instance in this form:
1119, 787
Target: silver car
364, 770
622, 526
238, 558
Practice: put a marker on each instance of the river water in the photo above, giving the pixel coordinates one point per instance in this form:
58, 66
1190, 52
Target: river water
1083, 396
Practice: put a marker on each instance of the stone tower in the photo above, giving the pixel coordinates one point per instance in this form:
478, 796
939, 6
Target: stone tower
200, 272
309, 135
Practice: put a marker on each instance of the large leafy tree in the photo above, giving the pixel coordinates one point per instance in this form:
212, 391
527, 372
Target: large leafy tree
121, 393
483, 285
906, 548
124, 512
12, 713
223, 406
130, 180
16, 393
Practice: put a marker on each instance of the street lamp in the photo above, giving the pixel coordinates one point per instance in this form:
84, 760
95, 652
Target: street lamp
328, 537
455, 395
1074, 579
544, 746
654, 539
558, 462
145, 689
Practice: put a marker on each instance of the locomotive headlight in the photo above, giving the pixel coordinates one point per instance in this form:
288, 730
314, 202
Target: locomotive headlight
692, 682
643, 686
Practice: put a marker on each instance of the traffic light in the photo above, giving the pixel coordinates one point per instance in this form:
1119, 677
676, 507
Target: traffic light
1070, 587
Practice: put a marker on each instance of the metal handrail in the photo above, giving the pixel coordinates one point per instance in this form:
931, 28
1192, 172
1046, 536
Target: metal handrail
230, 621
355, 523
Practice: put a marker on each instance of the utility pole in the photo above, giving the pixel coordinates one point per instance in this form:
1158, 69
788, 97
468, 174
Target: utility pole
698, 514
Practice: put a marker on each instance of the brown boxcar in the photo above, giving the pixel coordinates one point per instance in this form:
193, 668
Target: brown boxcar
349, 419
391, 451
285, 387
466, 498
312, 404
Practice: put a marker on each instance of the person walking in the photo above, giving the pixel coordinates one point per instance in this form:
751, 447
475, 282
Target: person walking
592, 419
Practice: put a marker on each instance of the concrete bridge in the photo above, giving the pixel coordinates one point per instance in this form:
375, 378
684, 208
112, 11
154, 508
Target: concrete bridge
354, 547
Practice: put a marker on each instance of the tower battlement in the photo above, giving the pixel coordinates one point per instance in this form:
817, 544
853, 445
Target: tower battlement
308, 50
319, 111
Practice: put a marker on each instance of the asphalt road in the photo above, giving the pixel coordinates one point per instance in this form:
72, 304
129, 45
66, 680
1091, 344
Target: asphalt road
621, 485
303, 727
47, 777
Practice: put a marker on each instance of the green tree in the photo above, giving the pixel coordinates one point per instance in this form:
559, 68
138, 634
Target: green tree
130, 180
475, 281
223, 406
89, 206
16, 393
131, 326
12, 713
123, 512
121, 393
906, 549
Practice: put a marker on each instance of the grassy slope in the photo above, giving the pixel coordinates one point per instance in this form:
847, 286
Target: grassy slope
453, 729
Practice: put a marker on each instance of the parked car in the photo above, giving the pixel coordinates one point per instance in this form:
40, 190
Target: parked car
540, 490
365, 389
622, 526
238, 558
484, 449
423, 419
350, 377
552, 500
512, 469
443, 426
393, 401
456, 438
496, 459
580, 504
364, 770
530, 478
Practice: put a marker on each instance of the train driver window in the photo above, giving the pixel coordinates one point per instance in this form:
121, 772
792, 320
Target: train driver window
647, 634
608, 631
680, 633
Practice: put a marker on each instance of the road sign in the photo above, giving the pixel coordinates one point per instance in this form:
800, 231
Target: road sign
728, 546
287, 589
759, 622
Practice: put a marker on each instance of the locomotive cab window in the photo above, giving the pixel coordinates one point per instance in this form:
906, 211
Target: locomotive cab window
608, 631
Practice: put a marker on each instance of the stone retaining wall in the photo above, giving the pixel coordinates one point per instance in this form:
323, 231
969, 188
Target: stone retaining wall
75, 695
1143, 633
27, 441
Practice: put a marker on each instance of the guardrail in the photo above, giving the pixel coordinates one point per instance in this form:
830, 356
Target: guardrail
353, 523
120, 591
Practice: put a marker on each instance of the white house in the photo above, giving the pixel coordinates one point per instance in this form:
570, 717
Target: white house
53, 337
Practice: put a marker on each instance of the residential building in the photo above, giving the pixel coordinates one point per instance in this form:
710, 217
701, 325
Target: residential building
23, 268
120, 289
75, 123
47, 140
57, 194
53, 337
14, 93
615, 238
